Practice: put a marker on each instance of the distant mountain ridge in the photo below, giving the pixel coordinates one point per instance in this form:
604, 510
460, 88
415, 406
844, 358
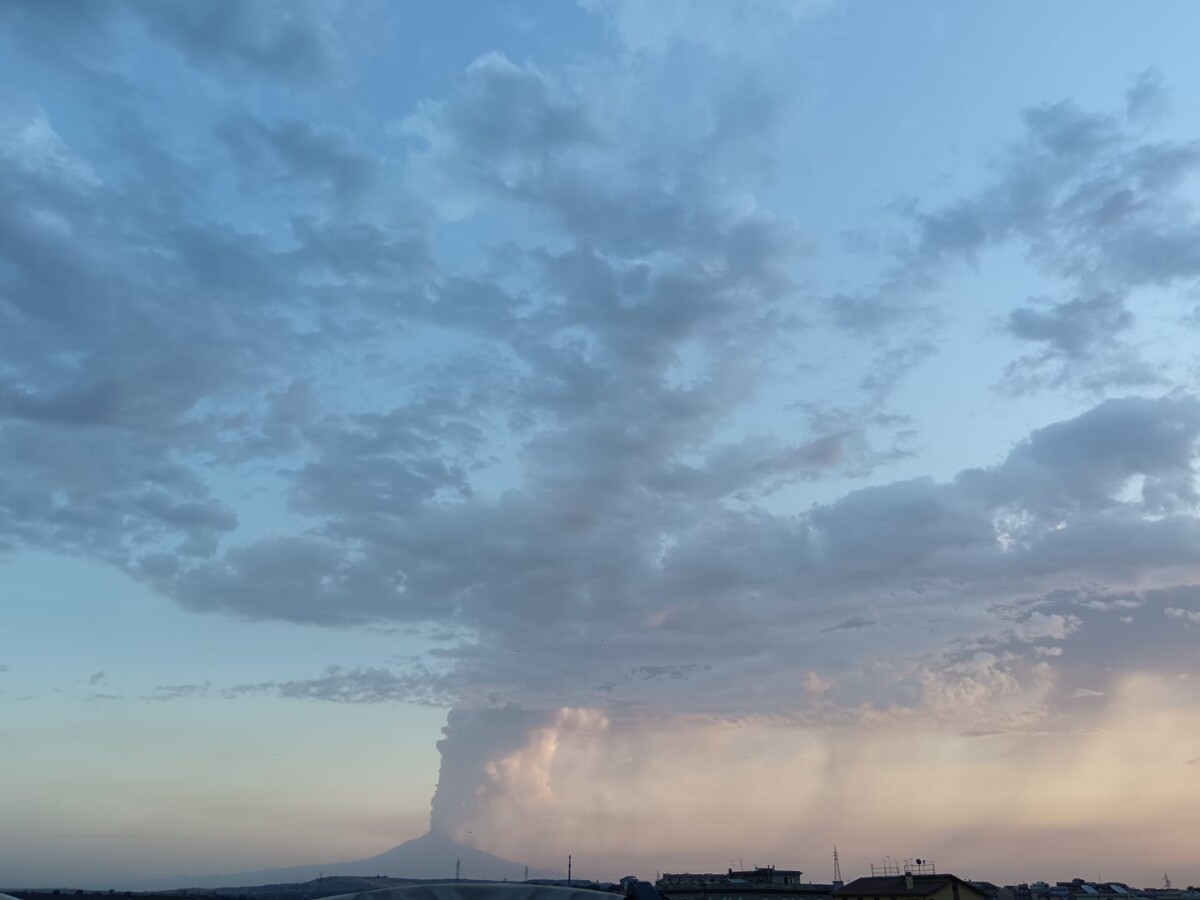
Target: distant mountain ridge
431, 855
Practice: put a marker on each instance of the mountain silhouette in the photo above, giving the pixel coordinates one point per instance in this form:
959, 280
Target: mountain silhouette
430, 856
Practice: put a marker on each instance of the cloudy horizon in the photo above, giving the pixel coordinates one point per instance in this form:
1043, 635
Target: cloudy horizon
669, 432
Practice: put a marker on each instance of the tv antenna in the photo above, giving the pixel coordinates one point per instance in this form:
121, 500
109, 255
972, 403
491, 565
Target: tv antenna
886, 868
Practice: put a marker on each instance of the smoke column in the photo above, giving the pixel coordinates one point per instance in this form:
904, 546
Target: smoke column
473, 739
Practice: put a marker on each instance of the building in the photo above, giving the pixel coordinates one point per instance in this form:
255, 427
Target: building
759, 883
1081, 889
909, 886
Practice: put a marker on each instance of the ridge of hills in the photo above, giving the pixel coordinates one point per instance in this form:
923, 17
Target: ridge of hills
430, 856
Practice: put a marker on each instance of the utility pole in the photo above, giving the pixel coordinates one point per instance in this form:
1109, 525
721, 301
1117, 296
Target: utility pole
527, 873
457, 868
568, 870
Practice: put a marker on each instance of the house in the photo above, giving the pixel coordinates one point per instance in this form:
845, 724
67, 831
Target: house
909, 887
759, 883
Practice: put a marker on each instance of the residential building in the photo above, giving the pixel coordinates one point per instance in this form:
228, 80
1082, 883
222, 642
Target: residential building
909, 886
759, 883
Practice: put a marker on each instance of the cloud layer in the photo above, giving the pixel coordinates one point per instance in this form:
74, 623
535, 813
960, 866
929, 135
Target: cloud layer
538, 369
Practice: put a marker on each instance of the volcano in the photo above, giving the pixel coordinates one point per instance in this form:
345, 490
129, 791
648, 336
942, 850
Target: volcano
430, 856
434, 855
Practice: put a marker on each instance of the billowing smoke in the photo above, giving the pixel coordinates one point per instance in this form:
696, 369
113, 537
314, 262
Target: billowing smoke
622, 790
474, 740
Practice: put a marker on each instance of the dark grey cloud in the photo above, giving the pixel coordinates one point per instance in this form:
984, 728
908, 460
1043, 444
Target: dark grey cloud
509, 126
867, 314
1128, 632
853, 622
634, 526
95, 678
645, 672
1081, 341
651, 577
123, 333
571, 455
1084, 464
288, 41
291, 44
362, 252
1072, 329
60, 21
165, 693
295, 150
1098, 204
1146, 100
339, 684
719, 30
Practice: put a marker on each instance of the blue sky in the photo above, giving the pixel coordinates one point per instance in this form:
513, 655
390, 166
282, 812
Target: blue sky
615, 393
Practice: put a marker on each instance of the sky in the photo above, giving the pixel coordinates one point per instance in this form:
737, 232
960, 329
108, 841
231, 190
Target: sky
678, 434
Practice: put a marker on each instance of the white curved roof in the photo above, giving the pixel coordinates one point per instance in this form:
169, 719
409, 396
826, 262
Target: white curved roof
473, 891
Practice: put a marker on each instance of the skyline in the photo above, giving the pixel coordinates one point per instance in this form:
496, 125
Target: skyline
668, 431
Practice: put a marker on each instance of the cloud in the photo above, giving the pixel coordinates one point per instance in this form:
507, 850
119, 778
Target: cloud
165, 693
1101, 208
291, 42
95, 678
510, 130
1085, 462
572, 772
709, 24
1072, 329
338, 684
297, 151
853, 622
579, 450
1187, 616
1146, 100
868, 314
1037, 626
1055, 515
506, 114
123, 335
301, 44
54, 23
